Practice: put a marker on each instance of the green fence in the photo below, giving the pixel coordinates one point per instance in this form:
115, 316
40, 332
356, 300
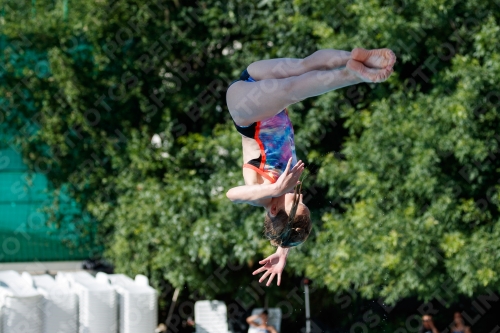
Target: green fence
24, 233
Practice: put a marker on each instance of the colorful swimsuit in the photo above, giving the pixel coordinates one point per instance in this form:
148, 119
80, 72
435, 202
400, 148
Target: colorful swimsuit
276, 141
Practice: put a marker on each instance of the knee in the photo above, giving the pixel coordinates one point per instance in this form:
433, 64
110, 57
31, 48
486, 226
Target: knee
315, 62
253, 70
309, 64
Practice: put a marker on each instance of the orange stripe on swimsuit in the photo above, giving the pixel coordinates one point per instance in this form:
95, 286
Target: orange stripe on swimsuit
276, 141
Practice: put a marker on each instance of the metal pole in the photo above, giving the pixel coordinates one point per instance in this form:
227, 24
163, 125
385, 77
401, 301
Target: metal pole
172, 306
308, 310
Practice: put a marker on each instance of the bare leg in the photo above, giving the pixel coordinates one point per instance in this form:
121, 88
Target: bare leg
282, 82
286, 67
249, 102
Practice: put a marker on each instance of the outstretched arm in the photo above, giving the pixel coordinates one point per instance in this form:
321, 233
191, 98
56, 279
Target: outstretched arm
273, 265
252, 194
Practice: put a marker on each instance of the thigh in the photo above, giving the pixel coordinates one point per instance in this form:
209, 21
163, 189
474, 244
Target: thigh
278, 68
249, 102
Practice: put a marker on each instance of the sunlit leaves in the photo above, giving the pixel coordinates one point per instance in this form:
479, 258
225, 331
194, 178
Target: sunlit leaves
403, 176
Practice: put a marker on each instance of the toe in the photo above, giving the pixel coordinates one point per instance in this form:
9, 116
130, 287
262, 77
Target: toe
392, 58
351, 64
359, 54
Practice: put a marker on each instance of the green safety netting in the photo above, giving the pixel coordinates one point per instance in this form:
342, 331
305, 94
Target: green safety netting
24, 232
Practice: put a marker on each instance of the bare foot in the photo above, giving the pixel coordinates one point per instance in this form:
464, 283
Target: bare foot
369, 74
378, 58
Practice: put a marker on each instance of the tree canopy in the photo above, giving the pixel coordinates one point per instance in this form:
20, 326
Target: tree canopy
122, 105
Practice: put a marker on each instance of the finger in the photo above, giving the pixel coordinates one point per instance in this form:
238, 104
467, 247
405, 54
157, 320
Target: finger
298, 170
279, 279
270, 279
296, 166
265, 260
257, 271
288, 166
297, 174
263, 277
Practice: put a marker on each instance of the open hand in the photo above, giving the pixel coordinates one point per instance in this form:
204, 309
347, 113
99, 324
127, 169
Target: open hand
273, 265
289, 178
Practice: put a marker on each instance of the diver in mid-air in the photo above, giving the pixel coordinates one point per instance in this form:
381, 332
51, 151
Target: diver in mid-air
258, 104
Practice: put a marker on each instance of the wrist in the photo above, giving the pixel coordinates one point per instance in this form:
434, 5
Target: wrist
283, 251
275, 190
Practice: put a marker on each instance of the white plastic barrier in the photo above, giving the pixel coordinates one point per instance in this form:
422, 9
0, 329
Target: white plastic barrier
210, 317
60, 311
97, 303
142, 280
137, 303
273, 319
20, 305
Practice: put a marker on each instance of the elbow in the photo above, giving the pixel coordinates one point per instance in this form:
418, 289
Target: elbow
234, 195
230, 196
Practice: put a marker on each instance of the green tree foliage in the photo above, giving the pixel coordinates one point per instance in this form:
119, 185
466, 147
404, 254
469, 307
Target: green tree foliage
403, 177
417, 184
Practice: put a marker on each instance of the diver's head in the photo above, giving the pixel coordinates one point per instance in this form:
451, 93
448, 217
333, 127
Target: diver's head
288, 220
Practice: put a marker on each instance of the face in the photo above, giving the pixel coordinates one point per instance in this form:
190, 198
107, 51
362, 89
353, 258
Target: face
264, 318
457, 318
286, 202
426, 320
